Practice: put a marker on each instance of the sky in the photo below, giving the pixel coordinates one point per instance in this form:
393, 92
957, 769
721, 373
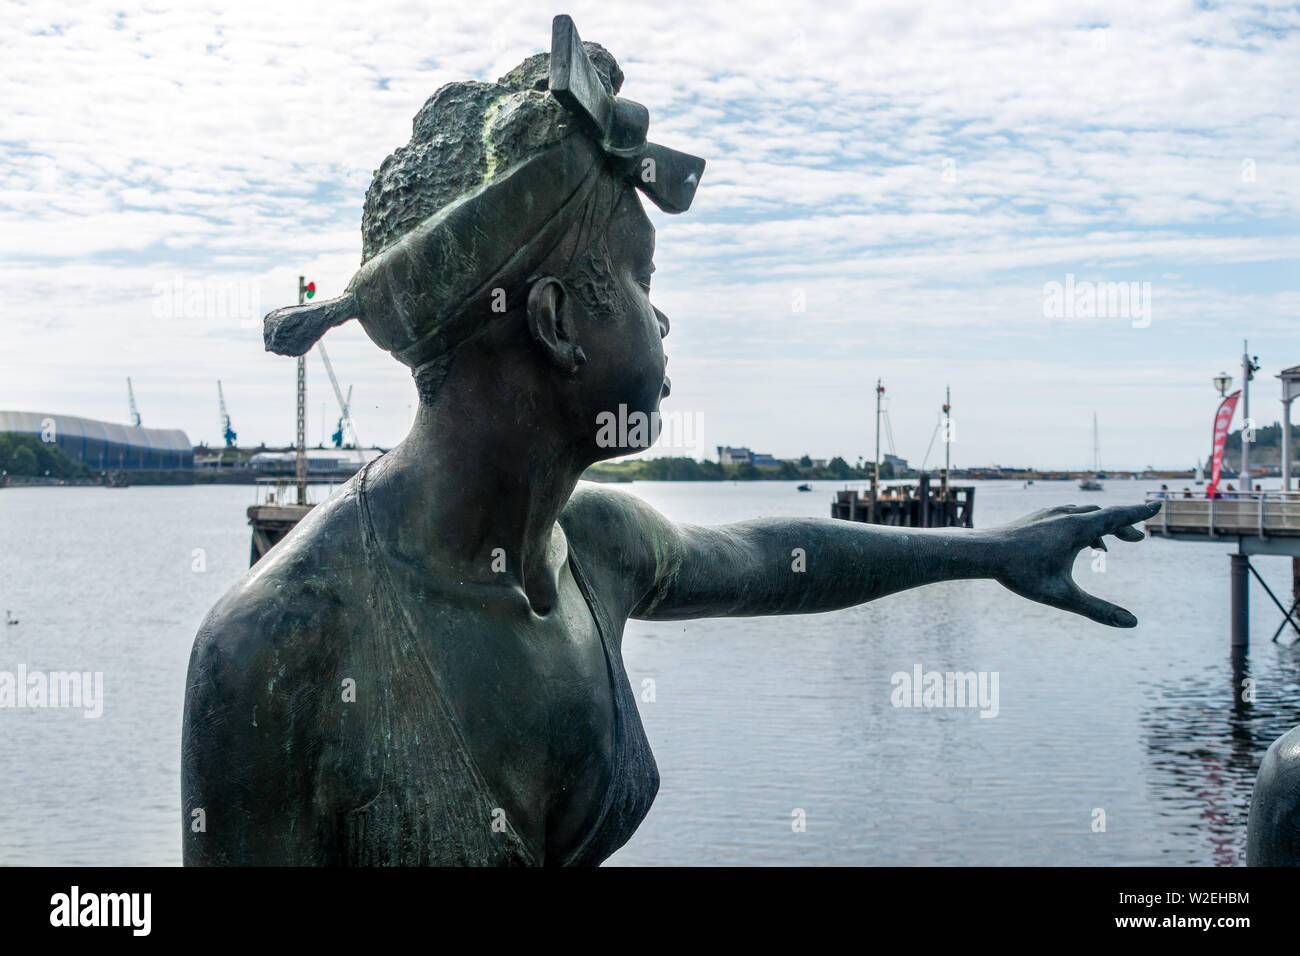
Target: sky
893, 191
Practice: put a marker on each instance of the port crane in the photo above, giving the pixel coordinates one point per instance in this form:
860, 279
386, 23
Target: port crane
130, 394
345, 404
338, 434
227, 432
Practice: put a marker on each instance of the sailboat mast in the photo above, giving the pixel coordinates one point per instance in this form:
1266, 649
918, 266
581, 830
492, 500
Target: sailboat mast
875, 476
1096, 446
947, 438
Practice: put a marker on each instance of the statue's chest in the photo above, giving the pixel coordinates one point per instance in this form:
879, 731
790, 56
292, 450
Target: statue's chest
534, 703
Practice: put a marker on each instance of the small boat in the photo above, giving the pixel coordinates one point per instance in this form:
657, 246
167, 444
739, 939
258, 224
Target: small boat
805, 487
1093, 483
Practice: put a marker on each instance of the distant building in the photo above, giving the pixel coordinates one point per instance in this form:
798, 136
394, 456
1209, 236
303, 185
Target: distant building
900, 464
105, 446
319, 460
813, 462
743, 456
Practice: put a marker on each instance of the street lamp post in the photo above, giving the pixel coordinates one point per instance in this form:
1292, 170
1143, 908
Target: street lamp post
1249, 367
1222, 381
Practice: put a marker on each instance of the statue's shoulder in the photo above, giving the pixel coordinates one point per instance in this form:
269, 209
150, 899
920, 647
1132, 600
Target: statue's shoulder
631, 545
294, 599
595, 511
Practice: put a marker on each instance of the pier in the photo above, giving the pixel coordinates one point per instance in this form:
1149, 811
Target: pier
909, 506
274, 515
1259, 523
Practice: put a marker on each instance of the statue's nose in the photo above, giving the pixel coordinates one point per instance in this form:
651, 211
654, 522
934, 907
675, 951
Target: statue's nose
664, 324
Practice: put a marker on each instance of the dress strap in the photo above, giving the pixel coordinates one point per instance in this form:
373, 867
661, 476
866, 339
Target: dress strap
603, 624
397, 614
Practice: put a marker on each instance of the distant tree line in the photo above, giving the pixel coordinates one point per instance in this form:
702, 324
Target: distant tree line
1266, 449
27, 456
688, 469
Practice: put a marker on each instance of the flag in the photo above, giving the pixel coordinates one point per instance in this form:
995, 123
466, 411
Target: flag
1221, 422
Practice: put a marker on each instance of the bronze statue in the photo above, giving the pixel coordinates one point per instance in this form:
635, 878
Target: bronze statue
428, 669
1273, 829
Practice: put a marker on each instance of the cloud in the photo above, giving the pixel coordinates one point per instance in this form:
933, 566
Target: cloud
917, 173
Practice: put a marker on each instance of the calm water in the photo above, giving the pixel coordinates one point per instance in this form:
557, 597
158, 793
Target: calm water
752, 719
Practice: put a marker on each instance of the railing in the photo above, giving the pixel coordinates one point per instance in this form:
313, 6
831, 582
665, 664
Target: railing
1233, 514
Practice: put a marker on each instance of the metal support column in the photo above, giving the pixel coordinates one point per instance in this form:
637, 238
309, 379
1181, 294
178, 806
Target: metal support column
1240, 577
301, 464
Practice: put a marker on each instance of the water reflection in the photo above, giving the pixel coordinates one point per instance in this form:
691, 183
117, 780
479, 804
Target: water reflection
1205, 734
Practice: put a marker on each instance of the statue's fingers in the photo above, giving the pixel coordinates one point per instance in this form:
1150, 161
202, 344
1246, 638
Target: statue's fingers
1132, 514
1098, 544
1128, 533
1103, 612
1111, 520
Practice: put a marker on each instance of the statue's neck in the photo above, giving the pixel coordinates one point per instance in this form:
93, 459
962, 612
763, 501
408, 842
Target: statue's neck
474, 493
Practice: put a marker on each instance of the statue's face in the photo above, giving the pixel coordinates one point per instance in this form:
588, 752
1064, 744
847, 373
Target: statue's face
624, 377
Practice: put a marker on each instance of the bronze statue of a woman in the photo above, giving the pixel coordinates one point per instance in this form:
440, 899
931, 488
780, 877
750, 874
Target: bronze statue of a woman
428, 669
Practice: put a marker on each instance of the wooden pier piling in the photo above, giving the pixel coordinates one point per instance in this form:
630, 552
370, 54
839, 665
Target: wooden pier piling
909, 506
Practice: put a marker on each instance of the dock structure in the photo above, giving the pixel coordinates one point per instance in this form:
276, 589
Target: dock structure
1259, 523
909, 506
273, 517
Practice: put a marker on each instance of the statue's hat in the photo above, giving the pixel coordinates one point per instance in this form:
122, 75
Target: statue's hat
420, 290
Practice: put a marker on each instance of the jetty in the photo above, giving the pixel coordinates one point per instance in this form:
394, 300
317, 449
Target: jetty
909, 506
275, 514
1259, 523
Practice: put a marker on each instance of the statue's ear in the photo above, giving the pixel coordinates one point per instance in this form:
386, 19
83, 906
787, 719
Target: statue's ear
551, 325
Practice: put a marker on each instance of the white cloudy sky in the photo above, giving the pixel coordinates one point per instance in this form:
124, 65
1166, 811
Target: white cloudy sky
916, 171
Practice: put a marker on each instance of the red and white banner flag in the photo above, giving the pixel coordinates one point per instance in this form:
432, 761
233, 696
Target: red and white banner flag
1221, 422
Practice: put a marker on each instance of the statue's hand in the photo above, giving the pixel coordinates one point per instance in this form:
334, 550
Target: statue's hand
1038, 551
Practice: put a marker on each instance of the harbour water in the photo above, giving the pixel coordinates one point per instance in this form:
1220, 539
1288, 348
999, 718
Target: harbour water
757, 724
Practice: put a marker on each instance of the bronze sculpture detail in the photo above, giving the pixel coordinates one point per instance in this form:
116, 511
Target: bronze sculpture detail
428, 669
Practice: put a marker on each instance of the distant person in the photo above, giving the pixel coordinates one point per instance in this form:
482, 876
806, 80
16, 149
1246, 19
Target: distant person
1187, 492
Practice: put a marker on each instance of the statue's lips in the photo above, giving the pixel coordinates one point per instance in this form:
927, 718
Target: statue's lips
668, 386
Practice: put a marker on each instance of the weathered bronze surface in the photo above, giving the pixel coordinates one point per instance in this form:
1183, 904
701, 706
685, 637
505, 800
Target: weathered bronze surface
428, 669
1273, 831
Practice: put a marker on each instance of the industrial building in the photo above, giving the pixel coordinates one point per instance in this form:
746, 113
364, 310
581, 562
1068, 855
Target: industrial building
106, 446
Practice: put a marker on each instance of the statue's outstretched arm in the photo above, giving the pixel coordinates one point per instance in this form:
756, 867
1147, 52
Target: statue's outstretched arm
807, 565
